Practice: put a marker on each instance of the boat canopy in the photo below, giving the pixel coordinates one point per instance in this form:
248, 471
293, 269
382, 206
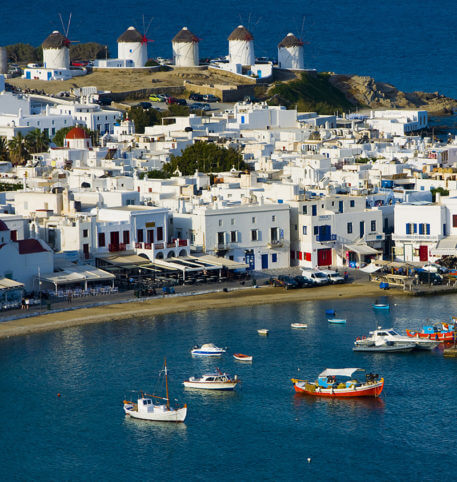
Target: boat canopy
208, 345
342, 372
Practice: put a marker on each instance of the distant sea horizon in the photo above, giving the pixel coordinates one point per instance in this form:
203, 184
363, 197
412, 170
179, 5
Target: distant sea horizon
409, 44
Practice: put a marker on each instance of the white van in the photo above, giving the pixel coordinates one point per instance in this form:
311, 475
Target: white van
318, 277
333, 276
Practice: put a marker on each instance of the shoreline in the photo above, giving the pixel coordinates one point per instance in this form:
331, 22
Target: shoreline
179, 304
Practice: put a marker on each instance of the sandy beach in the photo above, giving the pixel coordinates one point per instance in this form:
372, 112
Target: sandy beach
160, 306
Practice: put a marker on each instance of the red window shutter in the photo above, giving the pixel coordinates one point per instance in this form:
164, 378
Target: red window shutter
300, 255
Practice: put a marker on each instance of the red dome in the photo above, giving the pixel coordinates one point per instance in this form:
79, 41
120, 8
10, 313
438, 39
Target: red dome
77, 133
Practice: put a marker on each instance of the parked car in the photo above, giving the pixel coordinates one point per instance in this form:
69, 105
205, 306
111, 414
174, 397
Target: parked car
304, 282
157, 98
200, 106
427, 277
143, 105
196, 97
333, 276
315, 275
211, 98
174, 100
103, 101
286, 282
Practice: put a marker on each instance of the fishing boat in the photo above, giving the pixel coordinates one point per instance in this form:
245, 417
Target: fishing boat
441, 332
381, 306
330, 312
391, 341
263, 331
146, 409
338, 382
299, 325
207, 349
337, 321
212, 381
241, 357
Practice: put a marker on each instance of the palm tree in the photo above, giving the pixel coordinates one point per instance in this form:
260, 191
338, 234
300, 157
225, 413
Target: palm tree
4, 156
37, 141
18, 151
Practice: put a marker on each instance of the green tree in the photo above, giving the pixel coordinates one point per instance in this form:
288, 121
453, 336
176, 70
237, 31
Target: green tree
88, 51
206, 157
36, 141
17, 149
4, 154
143, 118
60, 135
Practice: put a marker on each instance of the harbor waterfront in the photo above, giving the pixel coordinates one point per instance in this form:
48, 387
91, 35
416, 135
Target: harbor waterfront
63, 394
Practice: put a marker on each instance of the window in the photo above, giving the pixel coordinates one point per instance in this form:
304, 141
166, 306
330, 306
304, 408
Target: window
139, 236
454, 220
126, 237
233, 236
160, 233
305, 230
253, 220
316, 230
232, 221
220, 222
273, 218
296, 227
221, 238
307, 256
352, 203
305, 209
85, 233
314, 209
349, 228
254, 235
373, 225
101, 240
274, 234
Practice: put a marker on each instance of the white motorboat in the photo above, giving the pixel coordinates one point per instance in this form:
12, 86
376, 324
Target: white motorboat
213, 381
391, 337
146, 409
263, 331
208, 349
299, 325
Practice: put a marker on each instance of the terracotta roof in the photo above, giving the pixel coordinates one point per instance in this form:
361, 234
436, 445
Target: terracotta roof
185, 36
241, 33
3, 226
77, 133
131, 35
56, 41
290, 40
29, 246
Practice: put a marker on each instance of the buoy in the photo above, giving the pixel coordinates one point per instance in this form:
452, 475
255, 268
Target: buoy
309, 460
58, 394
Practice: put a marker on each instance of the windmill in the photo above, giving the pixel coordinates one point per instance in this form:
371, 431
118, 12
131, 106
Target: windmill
67, 30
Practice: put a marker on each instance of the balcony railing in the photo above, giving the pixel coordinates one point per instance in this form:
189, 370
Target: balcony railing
113, 248
416, 237
328, 238
275, 243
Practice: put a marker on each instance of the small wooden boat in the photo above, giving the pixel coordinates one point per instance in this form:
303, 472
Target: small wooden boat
213, 381
299, 325
327, 384
263, 331
442, 332
241, 357
337, 321
381, 306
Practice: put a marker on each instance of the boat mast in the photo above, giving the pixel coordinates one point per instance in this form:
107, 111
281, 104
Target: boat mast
166, 383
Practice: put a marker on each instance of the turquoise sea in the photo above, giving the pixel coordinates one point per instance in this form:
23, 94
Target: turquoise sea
410, 43
263, 431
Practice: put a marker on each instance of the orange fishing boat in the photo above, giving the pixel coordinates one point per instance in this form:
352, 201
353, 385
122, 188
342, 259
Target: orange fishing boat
333, 382
443, 332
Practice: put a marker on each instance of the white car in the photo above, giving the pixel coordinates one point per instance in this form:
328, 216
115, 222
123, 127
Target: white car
333, 276
318, 277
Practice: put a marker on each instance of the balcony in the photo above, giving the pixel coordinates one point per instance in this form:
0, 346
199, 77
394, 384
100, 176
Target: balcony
114, 248
275, 243
326, 238
417, 237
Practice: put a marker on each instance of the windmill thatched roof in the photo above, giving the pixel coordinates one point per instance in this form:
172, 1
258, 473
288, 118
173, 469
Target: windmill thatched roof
241, 33
185, 36
130, 35
56, 41
290, 40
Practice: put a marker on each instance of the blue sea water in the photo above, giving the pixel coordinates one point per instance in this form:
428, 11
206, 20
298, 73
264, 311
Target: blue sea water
410, 43
263, 431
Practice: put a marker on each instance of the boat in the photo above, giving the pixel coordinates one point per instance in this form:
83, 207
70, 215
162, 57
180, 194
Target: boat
337, 321
241, 357
212, 381
390, 339
208, 349
145, 408
330, 312
442, 332
338, 382
386, 347
263, 331
381, 306
299, 325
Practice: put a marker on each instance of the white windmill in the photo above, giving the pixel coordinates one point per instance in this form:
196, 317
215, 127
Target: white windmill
132, 45
241, 47
185, 49
290, 53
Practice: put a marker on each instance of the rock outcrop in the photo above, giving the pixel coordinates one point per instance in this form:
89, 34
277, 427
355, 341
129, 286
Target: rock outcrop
366, 91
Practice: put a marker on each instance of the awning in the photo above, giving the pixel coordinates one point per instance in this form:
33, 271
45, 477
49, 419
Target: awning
6, 283
76, 274
447, 245
342, 372
370, 268
363, 249
127, 261
227, 263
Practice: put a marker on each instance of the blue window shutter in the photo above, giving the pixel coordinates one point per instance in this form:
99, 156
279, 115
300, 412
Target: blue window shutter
428, 228
408, 228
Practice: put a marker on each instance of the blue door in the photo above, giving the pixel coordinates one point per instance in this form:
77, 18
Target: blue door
259, 74
362, 229
249, 259
264, 261
28, 75
49, 75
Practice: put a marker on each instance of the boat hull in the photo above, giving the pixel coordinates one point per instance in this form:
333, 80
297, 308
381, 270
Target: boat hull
210, 385
367, 390
206, 353
381, 307
158, 415
299, 325
441, 337
401, 348
241, 357
337, 321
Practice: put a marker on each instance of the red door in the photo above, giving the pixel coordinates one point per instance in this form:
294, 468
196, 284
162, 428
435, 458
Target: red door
423, 253
324, 257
